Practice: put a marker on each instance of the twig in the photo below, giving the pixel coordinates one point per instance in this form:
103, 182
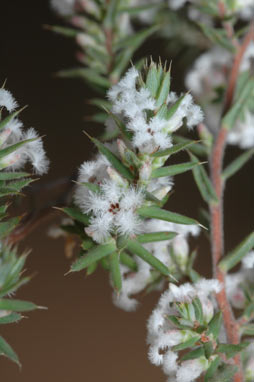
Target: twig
216, 210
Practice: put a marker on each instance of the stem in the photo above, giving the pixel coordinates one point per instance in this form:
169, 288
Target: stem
216, 210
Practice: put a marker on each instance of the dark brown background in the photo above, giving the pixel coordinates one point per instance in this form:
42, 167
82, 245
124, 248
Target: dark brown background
81, 336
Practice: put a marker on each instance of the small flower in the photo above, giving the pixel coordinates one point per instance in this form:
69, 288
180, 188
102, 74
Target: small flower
7, 100
113, 210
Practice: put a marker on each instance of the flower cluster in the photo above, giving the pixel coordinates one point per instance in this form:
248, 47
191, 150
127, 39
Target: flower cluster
135, 104
174, 322
13, 134
173, 253
207, 78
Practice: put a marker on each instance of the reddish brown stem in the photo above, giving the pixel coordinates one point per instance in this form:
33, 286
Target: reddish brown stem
216, 210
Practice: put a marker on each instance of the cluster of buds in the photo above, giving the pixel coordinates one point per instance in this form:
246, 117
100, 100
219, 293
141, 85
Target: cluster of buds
185, 319
18, 146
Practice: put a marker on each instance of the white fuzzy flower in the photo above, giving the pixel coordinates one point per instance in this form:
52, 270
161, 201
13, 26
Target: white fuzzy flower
32, 152
113, 210
190, 370
7, 100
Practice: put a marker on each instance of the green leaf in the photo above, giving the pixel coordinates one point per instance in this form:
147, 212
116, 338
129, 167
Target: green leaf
93, 255
237, 254
115, 271
173, 170
10, 117
155, 236
91, 186
237, 164
153, 79
91, 268
197, 149
11, 318
224, 373
139, 9
111, 13
198, 310
208, 347
217, 36
158, 213
17, 305
212, 369
187, 344
173, 150
127, 260
193, 354
10, 149
7, 227
203, 182
247, 330
13, 175
163, 92
67, 32
121, 126
231, 350
7, 351
75, 214
135, 40
140, 251
214, 325
89, 75
112, 158
239, 105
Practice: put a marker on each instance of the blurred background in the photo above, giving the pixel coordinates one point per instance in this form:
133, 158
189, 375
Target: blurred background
82, 336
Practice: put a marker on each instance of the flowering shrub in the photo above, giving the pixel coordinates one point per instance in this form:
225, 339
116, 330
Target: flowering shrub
121, 211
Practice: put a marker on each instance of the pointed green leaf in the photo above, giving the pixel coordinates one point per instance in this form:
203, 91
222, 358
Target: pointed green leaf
158, 213
203, 182
112, 158
173, 150
234, 257
10, 318
87, 74
140, 251
93, 255
91, 268
127, 260
239, 105
193, 354
10, 149
173, 170
197, 149
17, 305
163, 92
212, 369
139, 9
67, 32
76, 214
187, 344
7, 351
247, 330
155, 236
13, 175
137, 39
115, 271
237, 164
231, 350
214, 325
91, 186
10, 117
8, 226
